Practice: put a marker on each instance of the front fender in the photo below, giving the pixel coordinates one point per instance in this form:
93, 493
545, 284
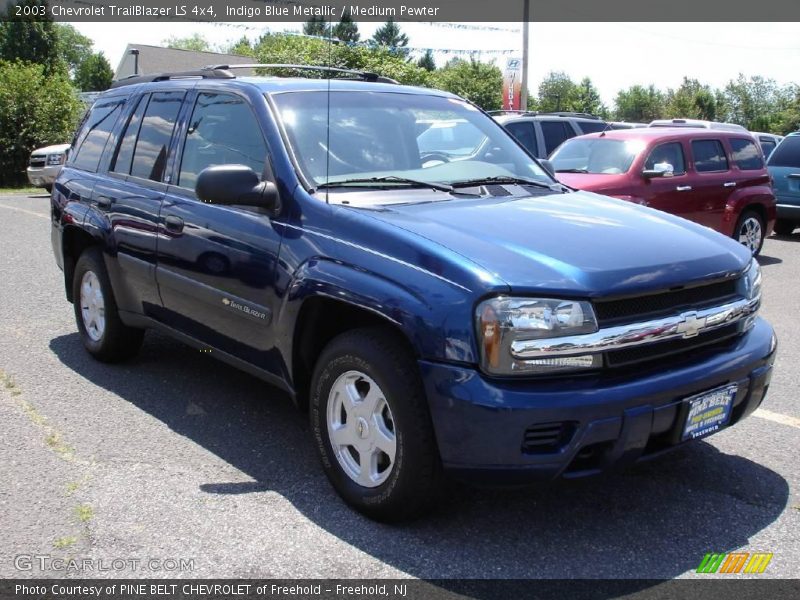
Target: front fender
437, 324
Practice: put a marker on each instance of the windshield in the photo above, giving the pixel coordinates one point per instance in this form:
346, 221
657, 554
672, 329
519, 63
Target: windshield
596, 155
390, 136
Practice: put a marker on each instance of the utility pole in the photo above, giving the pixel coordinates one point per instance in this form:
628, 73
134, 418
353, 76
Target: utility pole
525, 18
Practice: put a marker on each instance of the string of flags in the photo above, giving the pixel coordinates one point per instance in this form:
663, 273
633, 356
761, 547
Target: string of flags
367, 44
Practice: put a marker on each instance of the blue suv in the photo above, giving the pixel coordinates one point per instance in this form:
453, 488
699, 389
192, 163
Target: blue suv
438, 309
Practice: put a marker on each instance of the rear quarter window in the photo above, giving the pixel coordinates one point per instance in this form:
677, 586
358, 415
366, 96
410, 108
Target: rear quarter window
709, 156
592, 126
745, 154
787, 154
91, 140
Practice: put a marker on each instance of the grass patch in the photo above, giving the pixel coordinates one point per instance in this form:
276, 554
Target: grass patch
73, 487
64, 542
84, 512
23, 190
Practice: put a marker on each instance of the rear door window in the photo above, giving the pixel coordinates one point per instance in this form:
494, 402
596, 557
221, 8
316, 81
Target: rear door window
121, 163
745, 154
555, 132
709, 156
223, 130
525, 135
152, 145
94, 134
787, 154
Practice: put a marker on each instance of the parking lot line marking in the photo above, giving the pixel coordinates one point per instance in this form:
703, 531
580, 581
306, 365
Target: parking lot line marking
777, 418
27, 212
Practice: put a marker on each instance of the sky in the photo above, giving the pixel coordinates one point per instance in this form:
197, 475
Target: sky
613, 55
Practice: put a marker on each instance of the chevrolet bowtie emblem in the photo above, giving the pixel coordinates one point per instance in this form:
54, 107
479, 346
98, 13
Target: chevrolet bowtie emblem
691, 325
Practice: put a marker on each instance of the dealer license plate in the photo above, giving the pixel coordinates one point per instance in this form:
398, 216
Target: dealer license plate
708, 412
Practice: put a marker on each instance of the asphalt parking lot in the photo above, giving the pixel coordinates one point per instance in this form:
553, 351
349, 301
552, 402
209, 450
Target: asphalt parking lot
177, 457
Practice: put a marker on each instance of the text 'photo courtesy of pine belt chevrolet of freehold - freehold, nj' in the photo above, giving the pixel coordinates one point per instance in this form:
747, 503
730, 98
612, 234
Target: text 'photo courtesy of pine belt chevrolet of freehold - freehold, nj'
413, 300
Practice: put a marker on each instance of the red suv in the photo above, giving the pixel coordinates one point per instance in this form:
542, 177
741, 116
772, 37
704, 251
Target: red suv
715, 178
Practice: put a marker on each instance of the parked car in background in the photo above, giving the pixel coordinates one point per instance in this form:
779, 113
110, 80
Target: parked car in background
541, 133
768, 141
45, 164
784, 167
625, 125
471, 317
713, 177
696, 123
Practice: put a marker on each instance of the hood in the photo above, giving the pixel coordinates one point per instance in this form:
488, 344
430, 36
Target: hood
594, 182
54, 149
578, 243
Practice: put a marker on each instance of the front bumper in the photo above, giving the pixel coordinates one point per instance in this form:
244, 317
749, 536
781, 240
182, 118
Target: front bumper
42, 176
610, 420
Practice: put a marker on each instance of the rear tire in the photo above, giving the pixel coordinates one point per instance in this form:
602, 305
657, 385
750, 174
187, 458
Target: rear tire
366, 393
103, 333
784, 227
750, 231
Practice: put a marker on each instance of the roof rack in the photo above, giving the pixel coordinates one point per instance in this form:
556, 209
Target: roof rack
365, 75
224, 72
536, 113
149, 78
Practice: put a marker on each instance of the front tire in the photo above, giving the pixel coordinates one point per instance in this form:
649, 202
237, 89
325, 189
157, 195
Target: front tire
750, 231
784, 227
372, 428
103, 333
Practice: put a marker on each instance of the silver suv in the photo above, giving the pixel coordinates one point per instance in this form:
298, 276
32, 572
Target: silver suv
541, 133
45, 164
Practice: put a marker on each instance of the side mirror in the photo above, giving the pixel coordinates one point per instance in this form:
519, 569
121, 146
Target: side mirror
548, 166
659, 170
236, 185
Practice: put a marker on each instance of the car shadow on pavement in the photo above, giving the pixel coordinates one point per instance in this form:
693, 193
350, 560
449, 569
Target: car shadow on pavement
766, 261
655, 520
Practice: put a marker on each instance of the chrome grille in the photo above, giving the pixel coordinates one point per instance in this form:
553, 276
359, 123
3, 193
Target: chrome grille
38, 160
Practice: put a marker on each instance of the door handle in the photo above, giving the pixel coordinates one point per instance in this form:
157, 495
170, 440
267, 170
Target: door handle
729, 184
104, 202
794, 175
684, 188
173, 223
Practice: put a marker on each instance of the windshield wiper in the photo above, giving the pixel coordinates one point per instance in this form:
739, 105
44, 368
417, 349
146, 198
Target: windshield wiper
572, 170
504, 179
441, 187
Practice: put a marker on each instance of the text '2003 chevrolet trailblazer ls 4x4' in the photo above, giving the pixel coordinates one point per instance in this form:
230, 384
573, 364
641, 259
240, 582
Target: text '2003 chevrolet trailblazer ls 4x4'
452, 310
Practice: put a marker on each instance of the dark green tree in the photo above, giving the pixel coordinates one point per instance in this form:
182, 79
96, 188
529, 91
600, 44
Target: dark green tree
426, 61
317, 26
556, 92
94, 74
73, 47
390, 36
30, 39
195, 42
347, 29
242, 47
476, 81
640, 104
36, 109
586, 98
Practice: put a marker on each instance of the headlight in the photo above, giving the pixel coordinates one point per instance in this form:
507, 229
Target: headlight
501, 321
753, 281
752, 286
55, 159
